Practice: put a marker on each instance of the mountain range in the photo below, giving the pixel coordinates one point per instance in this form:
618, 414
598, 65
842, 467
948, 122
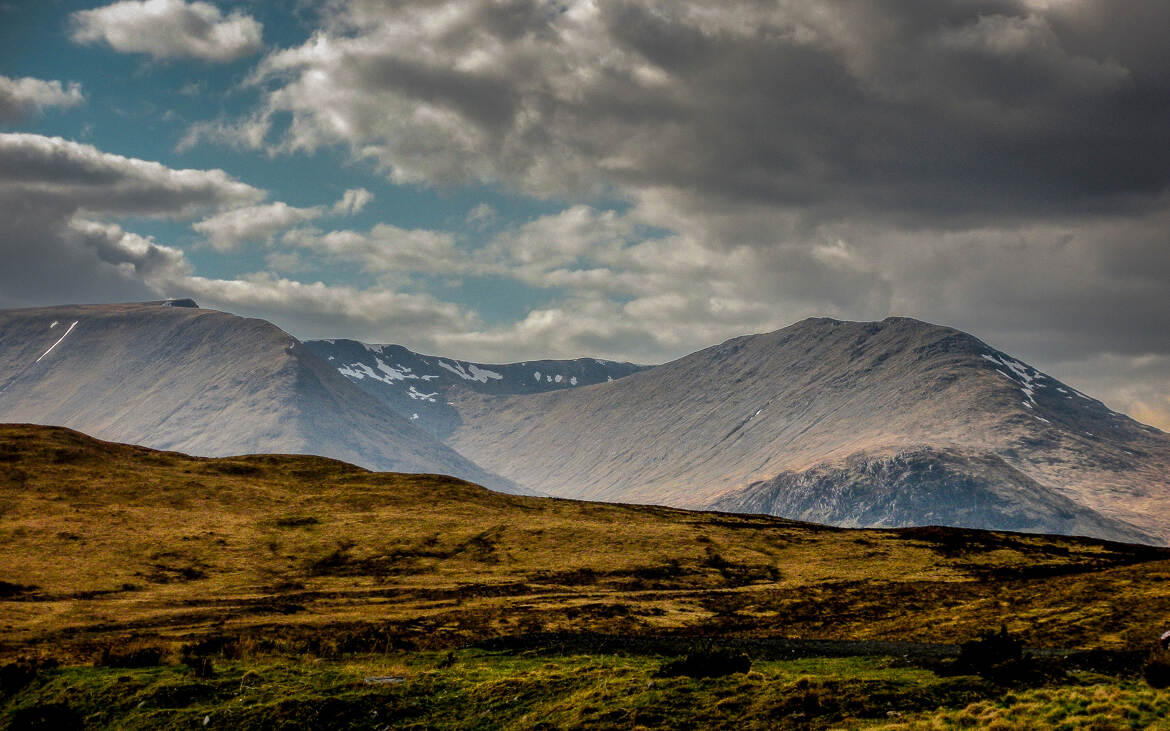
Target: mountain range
888, 423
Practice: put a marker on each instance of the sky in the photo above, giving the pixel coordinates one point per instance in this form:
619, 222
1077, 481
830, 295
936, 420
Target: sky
631, 179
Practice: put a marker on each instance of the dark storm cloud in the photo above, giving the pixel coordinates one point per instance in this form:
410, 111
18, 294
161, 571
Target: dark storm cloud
67, 176
989, 163
52, 249
927, 112
940, 112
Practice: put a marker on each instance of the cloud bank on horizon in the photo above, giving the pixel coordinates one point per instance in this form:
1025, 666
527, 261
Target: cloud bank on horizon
632, 180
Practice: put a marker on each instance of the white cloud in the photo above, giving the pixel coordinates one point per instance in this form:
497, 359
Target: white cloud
386, 249
574, 329
168, 29
229, 230
482, 216
247, 133
315, 309
352, 201
286, 262
575, 234
20, 97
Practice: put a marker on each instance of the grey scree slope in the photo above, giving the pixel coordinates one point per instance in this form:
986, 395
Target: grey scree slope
203, 382
830, 421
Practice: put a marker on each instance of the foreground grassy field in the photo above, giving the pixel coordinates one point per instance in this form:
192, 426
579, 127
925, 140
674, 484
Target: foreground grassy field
299, 577
471, 688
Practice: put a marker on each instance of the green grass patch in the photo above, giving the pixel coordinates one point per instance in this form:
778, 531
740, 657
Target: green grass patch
472, 689
1108, 706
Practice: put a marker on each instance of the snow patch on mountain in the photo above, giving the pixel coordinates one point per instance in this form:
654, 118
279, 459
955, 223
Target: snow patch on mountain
472, 373
411, 383
1025, 376
417, 395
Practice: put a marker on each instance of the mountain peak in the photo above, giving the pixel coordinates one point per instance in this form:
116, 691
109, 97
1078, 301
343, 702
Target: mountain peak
168, 375
816, 394
892, 324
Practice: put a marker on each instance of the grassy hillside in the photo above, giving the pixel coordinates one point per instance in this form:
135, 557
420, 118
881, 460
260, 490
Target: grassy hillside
264, 561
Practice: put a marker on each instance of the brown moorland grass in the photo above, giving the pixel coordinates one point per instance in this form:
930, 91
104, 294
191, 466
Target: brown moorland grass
106, 543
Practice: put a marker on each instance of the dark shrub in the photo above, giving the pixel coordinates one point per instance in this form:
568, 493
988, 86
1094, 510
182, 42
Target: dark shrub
178, 695
229, 647
991, 650
131, 657
198, 659
54, 716
16, 675
9, 589
1157, 670
1000, 658
237, 469
709, 663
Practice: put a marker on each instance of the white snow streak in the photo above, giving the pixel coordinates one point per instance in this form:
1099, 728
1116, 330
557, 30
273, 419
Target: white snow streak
50, 350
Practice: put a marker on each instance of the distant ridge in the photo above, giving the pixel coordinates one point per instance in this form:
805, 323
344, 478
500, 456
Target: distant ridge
418, 386
170, 375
